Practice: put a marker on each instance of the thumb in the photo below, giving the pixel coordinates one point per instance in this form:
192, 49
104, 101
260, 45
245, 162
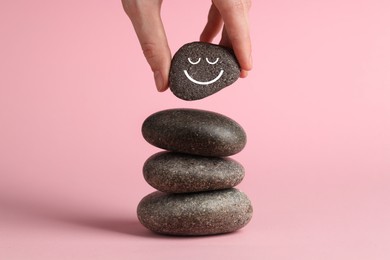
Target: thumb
146, 19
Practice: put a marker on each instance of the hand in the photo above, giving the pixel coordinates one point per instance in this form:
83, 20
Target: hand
232, 15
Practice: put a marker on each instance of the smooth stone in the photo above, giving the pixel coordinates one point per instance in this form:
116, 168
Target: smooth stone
180, 173
193, 131
188, 214
200, 69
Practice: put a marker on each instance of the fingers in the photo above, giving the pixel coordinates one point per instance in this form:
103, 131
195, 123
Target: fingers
225, 41
213, 26
146, 19
236, 30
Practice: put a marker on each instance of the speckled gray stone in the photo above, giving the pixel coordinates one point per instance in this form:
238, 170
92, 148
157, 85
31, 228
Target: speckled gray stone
203, 213
192, 131
200, 69
180, 173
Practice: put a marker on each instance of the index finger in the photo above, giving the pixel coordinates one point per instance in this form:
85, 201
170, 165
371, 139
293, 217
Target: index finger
235, 16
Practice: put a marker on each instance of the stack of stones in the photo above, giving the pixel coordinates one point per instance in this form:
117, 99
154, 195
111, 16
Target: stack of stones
194, 176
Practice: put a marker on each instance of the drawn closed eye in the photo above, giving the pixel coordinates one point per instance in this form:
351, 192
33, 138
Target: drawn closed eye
193, 62
212, 62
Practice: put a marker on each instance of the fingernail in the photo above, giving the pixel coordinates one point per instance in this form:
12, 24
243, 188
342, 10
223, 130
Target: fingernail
158, 80
243, 74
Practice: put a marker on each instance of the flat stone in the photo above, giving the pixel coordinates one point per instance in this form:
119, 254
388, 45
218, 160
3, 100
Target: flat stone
188, 214
180, 173
200, 69
193, 131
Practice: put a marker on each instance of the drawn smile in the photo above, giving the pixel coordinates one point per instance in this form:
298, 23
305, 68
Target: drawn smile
203, 82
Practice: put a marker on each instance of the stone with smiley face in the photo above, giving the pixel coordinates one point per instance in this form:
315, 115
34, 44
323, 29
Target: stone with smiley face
201, 69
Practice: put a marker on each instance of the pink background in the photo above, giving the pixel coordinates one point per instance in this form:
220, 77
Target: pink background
75, 89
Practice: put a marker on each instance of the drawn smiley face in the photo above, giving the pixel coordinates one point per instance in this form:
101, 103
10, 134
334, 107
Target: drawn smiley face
201, 69
203, 82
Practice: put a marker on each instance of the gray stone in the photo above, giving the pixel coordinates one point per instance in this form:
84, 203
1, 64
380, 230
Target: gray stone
200, 69
203, 213
180, 173
195, 132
